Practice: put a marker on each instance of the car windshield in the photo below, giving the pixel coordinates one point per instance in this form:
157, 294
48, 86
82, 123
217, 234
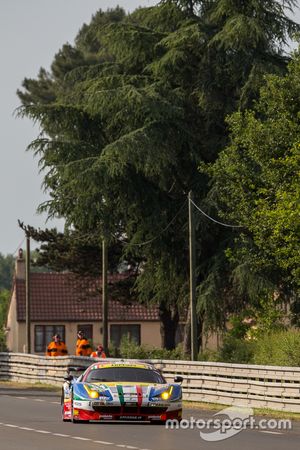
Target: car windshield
130, 374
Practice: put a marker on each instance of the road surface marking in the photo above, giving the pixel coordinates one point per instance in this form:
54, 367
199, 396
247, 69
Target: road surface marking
270, 432
79, 438
61, 435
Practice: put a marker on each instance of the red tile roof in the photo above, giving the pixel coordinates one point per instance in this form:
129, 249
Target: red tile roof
67, 297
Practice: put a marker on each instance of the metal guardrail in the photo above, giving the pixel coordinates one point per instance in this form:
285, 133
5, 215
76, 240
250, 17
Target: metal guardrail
270, 387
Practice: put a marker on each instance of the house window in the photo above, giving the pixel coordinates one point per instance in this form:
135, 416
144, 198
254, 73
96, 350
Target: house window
43, 334
87, 329
117, 332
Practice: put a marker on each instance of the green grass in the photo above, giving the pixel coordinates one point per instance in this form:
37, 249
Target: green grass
33, 386
257, 411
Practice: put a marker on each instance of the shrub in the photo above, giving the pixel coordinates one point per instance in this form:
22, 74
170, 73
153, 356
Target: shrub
3, 347
208, 355
129, 349
236, 350
279, 348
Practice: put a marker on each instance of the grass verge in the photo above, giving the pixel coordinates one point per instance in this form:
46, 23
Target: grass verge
32, 386
257, 411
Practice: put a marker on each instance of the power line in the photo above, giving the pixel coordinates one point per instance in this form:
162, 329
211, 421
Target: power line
158, 235
214, 220
19, 246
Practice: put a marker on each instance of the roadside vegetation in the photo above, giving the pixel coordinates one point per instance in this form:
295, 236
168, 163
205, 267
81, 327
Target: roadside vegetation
6, 277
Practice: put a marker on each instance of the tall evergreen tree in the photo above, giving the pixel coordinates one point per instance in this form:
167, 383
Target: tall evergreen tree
139, 103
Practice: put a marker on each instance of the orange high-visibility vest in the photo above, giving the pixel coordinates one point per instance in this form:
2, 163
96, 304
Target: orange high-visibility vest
101, 355
57, 349
83, 347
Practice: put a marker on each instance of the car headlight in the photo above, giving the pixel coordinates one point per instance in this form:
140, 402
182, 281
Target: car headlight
165, 395
94, 394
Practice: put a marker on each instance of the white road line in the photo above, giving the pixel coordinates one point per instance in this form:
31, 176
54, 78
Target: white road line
22, 398
271, 432
79, 438
61, 435
38, 400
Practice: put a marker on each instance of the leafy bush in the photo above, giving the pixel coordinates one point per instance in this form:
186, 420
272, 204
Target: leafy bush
208, 355
279, 348
129, 349
236, 350
4, 301
3, 347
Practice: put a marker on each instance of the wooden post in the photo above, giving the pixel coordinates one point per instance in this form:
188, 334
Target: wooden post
192, 258
27, 283
104, 297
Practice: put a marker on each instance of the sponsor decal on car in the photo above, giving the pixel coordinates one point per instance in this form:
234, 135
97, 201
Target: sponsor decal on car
78, 403
131, 417
98, 403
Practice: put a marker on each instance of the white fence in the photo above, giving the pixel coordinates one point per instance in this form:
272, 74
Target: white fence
228, 384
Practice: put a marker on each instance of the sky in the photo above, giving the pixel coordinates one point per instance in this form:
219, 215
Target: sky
31, 33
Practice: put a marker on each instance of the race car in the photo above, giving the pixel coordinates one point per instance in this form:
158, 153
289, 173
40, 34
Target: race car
121, 390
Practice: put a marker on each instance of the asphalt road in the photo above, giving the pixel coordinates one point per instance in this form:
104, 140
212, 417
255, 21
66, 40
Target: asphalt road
30, 420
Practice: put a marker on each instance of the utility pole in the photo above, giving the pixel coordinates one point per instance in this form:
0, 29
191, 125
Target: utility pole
27, 283
192, 259
104, 296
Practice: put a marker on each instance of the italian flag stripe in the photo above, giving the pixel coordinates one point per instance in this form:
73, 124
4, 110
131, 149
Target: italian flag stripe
121, 395
139, 392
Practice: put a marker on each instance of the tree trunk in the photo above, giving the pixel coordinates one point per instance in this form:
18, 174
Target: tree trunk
187, 333
169, 319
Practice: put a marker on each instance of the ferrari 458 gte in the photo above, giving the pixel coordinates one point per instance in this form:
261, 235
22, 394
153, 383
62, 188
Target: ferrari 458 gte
121, 391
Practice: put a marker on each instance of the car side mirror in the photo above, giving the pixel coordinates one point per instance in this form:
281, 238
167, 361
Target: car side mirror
68, 378
178, 379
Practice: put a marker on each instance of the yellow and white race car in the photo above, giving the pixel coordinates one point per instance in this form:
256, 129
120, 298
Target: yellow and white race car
121, 390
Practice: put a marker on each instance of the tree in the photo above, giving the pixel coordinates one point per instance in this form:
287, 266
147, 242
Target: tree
256, 179
130, 124
6, 271
4, 302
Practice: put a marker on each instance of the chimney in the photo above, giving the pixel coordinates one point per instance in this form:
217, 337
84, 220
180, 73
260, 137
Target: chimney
20, 266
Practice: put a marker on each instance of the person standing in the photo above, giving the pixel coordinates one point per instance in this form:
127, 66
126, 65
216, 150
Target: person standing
57, 347
99, 353
83, 347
